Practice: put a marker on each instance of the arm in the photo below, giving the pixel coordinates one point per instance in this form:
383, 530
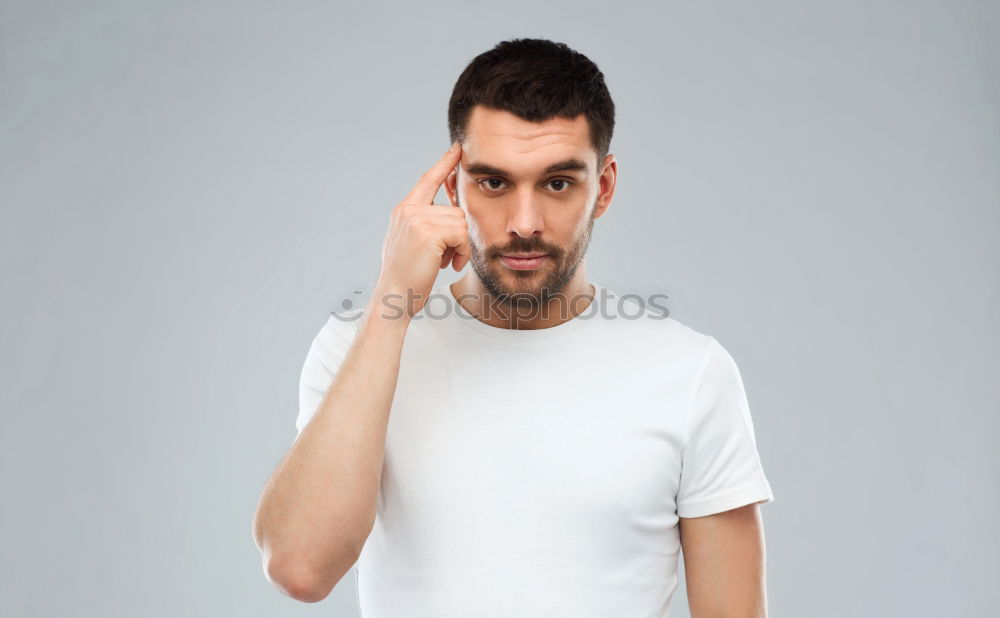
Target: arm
724, 563
318, 507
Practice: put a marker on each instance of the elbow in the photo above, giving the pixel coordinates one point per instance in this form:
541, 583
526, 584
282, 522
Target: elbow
304, 575
299, 580
296, 580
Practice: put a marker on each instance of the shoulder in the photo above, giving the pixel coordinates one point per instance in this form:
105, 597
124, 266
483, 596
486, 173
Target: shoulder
644, 323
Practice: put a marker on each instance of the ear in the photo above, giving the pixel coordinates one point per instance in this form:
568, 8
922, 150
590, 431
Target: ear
450, 186
606, 183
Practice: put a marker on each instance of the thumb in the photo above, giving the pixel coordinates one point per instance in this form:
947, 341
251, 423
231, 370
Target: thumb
462, 256
446, 256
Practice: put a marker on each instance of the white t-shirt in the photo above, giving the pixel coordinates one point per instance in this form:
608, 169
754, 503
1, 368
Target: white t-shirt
542, 472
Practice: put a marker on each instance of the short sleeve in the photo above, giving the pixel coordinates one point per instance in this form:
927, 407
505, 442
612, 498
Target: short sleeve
325, 356
720, 465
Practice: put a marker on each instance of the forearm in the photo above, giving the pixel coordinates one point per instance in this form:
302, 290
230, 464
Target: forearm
318, 507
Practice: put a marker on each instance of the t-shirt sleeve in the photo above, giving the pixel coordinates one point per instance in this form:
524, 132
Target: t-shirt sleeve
720, 465
325, 356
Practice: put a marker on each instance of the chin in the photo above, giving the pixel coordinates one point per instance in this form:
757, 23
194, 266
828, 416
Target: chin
531, 285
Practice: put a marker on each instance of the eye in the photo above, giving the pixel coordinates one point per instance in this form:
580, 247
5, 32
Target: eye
565, 183
561, 185
490, 181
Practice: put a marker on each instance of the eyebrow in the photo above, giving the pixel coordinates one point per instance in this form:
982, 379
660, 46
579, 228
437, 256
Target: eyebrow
567, 165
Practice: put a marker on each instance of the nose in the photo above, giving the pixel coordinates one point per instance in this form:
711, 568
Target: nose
524, 219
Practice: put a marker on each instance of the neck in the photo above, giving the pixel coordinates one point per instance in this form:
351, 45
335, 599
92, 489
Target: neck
563, 307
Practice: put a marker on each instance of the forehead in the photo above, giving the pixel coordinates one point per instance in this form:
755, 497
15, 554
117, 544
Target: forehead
502, 139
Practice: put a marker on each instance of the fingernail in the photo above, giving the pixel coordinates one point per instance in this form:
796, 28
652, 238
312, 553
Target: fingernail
454, 145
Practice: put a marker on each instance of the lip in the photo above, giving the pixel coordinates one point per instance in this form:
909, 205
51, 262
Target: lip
520, 262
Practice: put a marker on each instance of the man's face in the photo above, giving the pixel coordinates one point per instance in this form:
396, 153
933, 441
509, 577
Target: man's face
516, 205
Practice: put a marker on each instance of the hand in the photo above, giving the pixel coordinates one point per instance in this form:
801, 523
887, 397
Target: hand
423, 238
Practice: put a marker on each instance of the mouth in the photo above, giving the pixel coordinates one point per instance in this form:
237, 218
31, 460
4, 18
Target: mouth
523, 261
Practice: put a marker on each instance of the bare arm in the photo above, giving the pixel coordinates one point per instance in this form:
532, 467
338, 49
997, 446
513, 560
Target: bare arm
724, 562
318, 508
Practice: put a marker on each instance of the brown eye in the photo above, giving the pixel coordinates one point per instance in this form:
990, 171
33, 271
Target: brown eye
490, 182
565, 184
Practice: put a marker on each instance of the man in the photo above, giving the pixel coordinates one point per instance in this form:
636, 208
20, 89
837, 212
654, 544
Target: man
516, 443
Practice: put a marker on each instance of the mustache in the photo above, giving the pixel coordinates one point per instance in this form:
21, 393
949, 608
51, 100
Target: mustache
524, 245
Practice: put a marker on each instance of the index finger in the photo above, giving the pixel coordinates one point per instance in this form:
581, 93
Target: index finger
427, 187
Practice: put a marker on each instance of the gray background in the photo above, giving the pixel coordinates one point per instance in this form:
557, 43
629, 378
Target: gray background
188, 189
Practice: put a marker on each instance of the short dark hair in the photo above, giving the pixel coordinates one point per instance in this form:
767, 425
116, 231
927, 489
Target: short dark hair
535, 79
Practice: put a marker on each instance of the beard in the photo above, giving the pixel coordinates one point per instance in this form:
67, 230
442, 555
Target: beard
530, 289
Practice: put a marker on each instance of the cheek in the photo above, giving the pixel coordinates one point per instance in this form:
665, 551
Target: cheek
481, 213
565, 226
475, 223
